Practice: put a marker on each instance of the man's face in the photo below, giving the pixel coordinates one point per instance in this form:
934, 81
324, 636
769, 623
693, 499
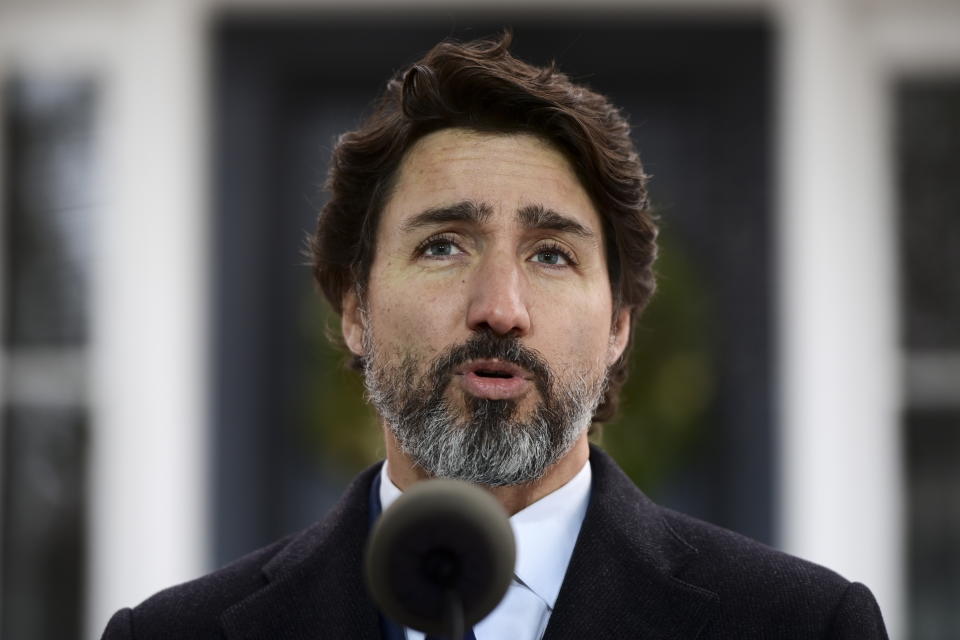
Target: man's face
487, 320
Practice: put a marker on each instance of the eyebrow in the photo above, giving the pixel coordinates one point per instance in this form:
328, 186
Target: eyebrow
535, 216
467, 211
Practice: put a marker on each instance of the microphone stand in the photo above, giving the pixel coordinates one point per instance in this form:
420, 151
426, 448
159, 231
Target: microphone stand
454, 613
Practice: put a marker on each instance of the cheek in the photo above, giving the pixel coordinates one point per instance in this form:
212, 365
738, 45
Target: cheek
577, 341
594, 342
595, 339
407, 319
579, 320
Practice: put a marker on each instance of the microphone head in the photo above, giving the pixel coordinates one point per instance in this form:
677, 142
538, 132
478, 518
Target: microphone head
439, 536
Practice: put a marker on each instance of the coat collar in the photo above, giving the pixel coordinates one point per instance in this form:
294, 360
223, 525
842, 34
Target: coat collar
621, 581
315, 584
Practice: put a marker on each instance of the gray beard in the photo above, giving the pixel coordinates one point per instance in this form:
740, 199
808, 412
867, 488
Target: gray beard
485, 444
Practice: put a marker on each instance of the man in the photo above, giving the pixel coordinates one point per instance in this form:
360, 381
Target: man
488, 247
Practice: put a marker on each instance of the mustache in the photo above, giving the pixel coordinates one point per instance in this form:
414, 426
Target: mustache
488, 345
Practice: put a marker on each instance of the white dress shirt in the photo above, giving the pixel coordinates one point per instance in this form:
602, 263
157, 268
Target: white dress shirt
545, 533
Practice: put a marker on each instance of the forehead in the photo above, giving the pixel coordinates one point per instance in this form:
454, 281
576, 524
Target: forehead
504, 171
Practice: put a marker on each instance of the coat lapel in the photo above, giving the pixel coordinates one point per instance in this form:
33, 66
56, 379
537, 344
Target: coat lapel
315, 586
621, 581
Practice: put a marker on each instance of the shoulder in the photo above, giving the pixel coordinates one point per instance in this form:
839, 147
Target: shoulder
701, 553
193, 609
740, 567
751, 588
756, 584
734, 560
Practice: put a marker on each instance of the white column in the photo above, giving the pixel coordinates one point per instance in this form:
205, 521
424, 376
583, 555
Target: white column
841, 481
149, 459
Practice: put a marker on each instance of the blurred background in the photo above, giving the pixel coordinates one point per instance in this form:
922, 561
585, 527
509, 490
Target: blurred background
170, 400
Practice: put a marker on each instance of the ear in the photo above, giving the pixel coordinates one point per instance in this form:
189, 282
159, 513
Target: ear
351, 323
619, 335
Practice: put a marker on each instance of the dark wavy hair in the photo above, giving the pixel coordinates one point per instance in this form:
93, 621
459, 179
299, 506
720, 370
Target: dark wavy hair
479, 86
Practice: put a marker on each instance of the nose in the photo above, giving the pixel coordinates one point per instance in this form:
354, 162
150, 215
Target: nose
497, 299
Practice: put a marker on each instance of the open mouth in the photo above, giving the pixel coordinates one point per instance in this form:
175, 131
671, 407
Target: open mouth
487, 373
494, 379
492, 368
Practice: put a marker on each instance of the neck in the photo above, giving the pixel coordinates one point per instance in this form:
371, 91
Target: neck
404, 473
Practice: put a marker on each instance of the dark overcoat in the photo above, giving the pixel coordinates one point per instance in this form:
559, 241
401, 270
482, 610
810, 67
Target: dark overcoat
638, 571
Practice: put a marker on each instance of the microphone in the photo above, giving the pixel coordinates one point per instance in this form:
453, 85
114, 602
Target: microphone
441, 557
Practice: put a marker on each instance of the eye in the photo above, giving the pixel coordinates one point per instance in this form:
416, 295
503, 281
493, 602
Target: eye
552, 256
439, 247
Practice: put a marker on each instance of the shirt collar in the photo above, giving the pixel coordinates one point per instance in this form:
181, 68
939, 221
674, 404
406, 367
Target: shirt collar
545, 532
